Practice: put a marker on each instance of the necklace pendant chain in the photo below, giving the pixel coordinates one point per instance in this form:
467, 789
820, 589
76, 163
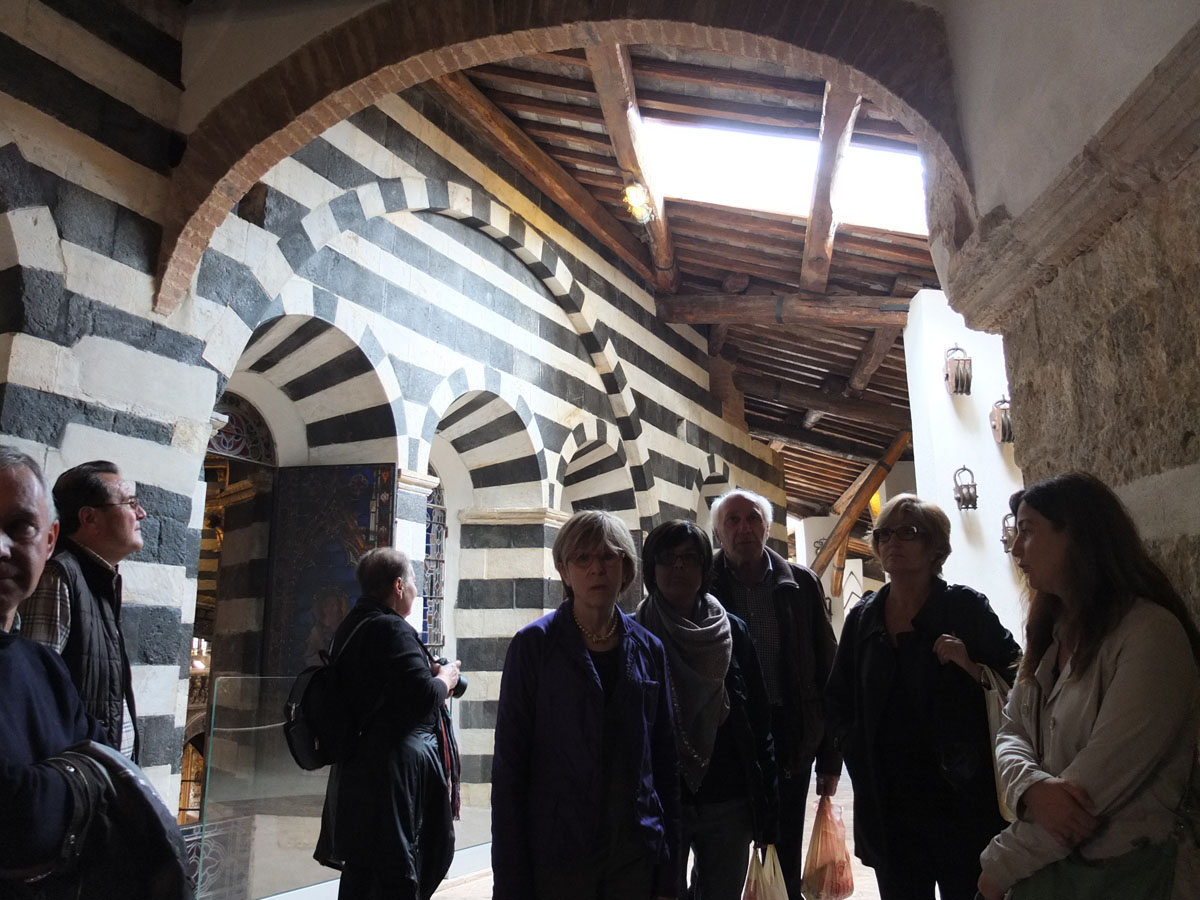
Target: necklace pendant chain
591, 635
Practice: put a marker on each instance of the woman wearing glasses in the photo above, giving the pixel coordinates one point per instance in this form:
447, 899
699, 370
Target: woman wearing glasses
905, 700
585, 792
722, 716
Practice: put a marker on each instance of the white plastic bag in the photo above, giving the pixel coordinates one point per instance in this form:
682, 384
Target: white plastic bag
764, 878
827, 874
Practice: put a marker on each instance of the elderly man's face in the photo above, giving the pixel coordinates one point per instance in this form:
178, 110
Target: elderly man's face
26, 538
742, 531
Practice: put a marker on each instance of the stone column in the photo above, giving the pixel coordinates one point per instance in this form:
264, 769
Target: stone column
507, 580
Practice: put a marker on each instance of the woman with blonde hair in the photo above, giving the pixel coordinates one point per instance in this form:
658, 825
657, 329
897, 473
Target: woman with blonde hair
585, 791
906, 703
1099, 742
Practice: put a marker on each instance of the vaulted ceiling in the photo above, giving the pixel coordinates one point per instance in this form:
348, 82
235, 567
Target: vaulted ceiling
805, 314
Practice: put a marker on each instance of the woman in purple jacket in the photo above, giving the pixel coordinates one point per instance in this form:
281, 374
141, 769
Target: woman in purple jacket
585, 791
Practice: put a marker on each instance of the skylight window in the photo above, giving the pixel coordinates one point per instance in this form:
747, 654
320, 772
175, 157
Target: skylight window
877, 188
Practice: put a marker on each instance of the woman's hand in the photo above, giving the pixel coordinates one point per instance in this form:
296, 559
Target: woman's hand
949, 649
987, 889
447, 673
1062, 808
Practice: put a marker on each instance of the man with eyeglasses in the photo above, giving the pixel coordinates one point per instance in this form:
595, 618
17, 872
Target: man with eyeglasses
783, 606
76, 608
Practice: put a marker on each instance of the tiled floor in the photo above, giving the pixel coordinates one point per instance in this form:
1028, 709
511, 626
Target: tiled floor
478, 885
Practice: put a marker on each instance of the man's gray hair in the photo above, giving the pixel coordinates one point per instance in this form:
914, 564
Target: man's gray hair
763, 504
12, 458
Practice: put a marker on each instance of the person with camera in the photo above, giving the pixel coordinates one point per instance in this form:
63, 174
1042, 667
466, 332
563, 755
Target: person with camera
389, 808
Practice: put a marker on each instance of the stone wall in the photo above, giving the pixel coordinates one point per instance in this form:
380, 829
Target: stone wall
1104, 374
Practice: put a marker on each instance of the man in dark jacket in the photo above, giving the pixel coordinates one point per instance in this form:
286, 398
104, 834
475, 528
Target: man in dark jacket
784, 607
76, 608
40, 713
78, 819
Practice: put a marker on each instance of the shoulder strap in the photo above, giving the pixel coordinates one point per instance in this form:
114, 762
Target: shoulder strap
334, 652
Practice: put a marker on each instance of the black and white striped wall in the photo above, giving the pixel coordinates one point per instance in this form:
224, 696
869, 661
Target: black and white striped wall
396, 294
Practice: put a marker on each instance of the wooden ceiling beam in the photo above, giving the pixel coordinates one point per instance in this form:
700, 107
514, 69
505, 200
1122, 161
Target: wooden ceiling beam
812, 441
841, 530
868, 362
612, 74
504, 75
873, 356
563, 134
583, 158
537, 106
466, 101
881, 415
837, 124
657, 102
772, 309
774, 86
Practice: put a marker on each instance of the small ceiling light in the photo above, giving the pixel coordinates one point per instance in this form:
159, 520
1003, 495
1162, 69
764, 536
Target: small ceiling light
637, 201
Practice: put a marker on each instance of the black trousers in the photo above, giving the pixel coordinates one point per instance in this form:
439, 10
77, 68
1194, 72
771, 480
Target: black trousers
793, 803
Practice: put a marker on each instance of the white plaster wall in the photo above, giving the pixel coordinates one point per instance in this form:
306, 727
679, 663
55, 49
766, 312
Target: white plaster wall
228, 42
1036, 80
815, 528
950, 431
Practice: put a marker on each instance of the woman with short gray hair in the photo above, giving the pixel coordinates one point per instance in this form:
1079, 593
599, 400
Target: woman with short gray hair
585, 792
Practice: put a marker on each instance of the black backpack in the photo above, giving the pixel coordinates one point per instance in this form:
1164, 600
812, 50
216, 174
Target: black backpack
316, 721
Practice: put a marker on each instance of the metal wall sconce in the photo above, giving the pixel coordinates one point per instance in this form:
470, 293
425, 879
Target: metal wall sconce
1001, 419
958, 371
637, 201
966, 491
1008, 532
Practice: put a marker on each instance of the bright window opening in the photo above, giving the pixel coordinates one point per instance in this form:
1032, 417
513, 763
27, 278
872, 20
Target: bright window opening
877, 188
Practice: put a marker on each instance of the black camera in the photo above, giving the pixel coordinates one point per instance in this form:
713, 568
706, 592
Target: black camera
461, 687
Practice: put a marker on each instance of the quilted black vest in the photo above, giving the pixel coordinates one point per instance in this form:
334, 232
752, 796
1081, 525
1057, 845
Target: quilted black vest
95, 649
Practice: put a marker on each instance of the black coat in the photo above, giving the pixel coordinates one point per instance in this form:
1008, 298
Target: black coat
860, 685
806, 654
749, 726
387, 808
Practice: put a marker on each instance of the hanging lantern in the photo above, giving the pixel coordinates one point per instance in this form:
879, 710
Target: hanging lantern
1001, 419
1008, 532
958, 371
966, 491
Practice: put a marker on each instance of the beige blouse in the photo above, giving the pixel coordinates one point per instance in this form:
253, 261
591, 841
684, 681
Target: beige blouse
1126, 732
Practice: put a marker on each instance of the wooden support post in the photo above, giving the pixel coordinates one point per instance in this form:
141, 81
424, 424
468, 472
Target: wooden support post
612, 74
841, 530
837, 124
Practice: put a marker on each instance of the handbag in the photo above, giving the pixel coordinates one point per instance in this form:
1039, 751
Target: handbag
995, 695
764, 877
1146, 872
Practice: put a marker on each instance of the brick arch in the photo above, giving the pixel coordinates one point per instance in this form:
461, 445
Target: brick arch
893, 51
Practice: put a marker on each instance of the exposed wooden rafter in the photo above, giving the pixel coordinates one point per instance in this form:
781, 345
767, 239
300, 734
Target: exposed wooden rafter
794, 435
871, 412
535, 164
781, 309
613, 76
870, 484
837, 124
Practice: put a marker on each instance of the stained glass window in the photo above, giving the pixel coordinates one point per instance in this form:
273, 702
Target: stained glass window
246, 434
432, 631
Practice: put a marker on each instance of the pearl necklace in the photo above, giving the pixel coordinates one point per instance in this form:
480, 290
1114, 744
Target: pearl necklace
591, 635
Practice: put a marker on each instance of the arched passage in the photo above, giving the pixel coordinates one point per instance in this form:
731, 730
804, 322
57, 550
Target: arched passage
870, 47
